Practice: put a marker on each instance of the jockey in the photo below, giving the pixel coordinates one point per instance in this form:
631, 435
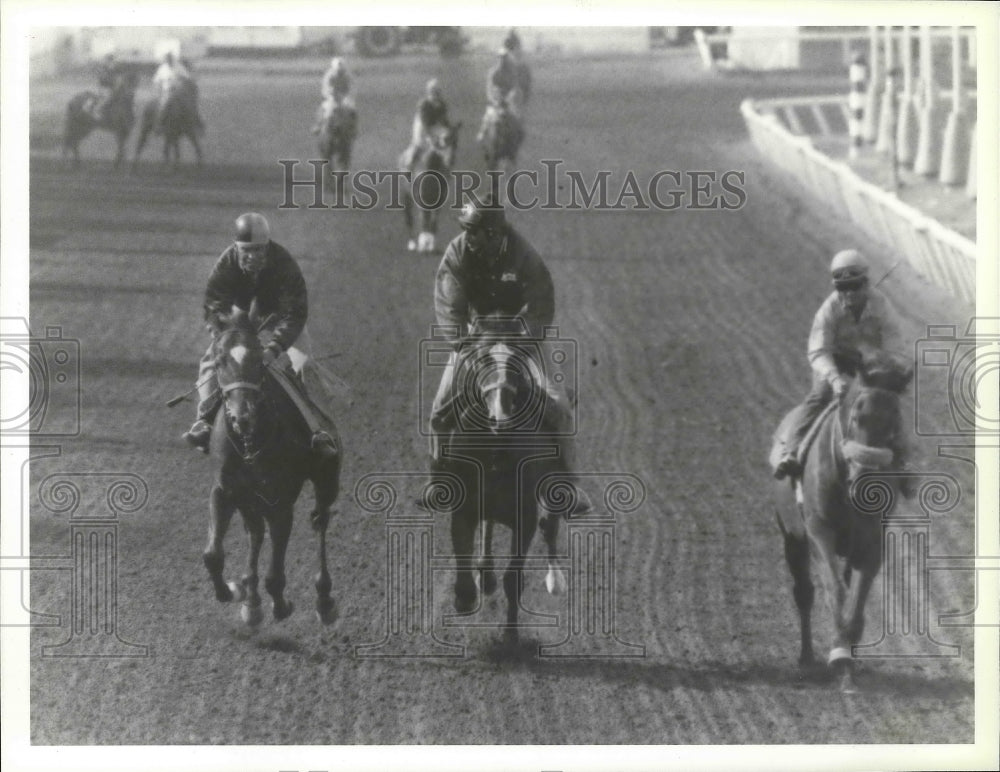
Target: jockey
108, 78
491, 268
501, 90
171, 75
432, 112
854, 318
256, 271
336, 91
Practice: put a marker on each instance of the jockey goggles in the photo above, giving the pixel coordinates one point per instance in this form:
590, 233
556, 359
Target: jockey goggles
850, 278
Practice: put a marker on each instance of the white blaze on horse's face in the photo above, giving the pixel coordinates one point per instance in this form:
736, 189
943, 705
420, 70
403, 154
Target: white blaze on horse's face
498, 386
238, 353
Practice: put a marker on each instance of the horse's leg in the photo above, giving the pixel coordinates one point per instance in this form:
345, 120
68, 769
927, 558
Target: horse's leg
555, 578
489, 577
822, 541
319, 518
513, 579
863, 566
463, 530
250, 610
193, 136
803, 590
408, 214
280, 525
221, 509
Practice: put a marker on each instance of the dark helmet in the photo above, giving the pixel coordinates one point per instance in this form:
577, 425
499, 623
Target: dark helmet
476, 214
252, 228
512, 42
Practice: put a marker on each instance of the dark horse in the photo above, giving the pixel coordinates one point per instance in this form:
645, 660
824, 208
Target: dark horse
261, 452
117, 116
179, 120
503, 463
427, 190
502, 138
818, 512
337, 132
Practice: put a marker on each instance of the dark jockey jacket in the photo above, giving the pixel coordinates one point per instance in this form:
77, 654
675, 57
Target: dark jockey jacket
465, 288
433, 112
278, 289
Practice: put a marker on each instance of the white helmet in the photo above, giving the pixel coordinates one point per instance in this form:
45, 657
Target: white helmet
848, 267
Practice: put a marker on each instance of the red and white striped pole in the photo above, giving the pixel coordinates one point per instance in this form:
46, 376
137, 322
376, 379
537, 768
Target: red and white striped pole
869, 127
858, 76
906, 128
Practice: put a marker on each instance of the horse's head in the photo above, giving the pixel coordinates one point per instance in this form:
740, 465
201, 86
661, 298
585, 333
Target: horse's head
873, 420
239, 369
497, 374
443, 146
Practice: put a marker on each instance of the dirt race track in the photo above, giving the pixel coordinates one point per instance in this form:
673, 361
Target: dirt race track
691, 328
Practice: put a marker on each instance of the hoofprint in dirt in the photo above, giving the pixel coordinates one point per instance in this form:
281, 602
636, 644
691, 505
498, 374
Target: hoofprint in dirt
691, 329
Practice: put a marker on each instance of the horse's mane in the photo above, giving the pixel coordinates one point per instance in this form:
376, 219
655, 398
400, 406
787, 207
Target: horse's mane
884, 372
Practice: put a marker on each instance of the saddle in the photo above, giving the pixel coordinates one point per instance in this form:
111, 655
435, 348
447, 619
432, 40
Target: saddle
779, 441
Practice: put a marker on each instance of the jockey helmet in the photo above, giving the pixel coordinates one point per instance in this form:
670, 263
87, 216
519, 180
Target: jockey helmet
252, 228
433, 88
512, 42
337, 64
486, 215
848, 269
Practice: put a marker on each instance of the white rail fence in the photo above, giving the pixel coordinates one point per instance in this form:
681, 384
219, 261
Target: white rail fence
939, 253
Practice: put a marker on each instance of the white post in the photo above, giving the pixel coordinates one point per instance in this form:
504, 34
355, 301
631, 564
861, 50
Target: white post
970, 183
906, 130
928, 149
870, 125
887, 116
955, 149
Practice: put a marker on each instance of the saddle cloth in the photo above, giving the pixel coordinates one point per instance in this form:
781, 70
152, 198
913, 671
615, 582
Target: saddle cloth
781, 435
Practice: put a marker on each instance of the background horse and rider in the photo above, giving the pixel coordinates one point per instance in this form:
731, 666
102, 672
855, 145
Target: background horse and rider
337, 131
820, 512
117, 115
260, 447
507, 463
175, 118
427, 191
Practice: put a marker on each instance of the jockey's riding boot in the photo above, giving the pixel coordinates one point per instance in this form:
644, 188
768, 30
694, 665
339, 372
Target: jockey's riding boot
788, 466
198, 435
324, 446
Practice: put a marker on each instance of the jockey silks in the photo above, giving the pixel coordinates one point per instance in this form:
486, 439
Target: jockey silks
278, 289
467, 286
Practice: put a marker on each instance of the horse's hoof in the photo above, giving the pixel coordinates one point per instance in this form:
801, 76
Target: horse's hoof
224, 594
465, 604
236, 592
283, 611
326, 612
251, 615
555, 582
489, 582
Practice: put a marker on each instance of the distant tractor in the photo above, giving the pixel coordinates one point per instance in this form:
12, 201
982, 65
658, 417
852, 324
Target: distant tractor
388, 41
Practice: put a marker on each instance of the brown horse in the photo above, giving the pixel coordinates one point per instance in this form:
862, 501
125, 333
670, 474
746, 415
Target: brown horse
819, 516
117, 116
176, 119
500, 454
337, 133
427, 190
261, 452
